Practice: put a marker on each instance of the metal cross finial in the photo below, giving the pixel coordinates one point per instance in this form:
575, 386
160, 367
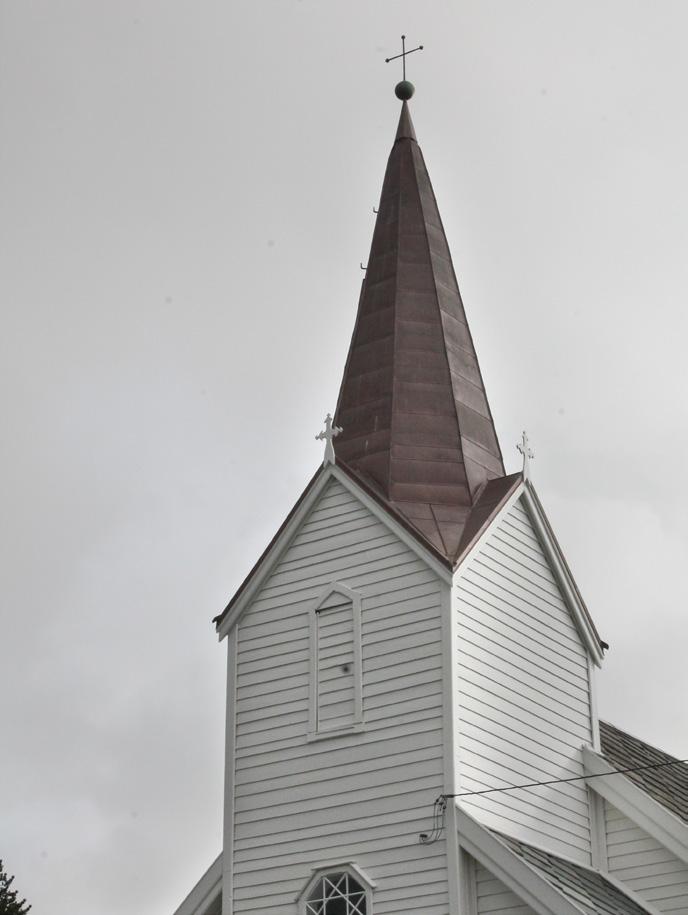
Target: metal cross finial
403, 55
329, 432
527, 452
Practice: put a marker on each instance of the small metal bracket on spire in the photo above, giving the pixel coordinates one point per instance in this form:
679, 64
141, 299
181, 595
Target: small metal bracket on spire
404, 90
329, 432
527, 452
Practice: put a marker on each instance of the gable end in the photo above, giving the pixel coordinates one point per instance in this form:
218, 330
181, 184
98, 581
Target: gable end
290, 529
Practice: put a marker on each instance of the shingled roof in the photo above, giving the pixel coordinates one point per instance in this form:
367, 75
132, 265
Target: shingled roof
586, 888
416, 423
668, 785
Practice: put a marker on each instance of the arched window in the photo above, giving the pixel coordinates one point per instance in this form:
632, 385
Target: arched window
337, 894
336, 689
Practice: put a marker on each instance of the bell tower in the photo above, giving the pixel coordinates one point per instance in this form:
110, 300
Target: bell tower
411, 717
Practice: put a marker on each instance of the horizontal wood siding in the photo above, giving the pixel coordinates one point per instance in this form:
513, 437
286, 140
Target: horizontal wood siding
360, 797
493, 898
640, 862
523, 693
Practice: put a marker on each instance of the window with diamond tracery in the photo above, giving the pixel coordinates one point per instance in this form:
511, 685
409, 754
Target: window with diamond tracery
337, 894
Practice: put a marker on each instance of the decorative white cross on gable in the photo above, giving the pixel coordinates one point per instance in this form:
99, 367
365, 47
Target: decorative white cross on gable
329, 432
527, 452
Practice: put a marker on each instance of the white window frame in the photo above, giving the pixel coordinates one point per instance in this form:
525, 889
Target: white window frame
314, 732
349, 867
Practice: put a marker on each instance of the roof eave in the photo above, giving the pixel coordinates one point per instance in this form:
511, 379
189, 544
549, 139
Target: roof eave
563, 574
519, 876
226, 620
400, 519
501, 505
636, 803
248, 585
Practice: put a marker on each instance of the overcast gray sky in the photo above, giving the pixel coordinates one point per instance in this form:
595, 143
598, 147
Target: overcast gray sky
186, 192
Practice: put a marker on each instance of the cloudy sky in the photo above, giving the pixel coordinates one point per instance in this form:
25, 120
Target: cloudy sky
186, 193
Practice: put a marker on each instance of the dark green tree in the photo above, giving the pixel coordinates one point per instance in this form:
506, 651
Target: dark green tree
9, 904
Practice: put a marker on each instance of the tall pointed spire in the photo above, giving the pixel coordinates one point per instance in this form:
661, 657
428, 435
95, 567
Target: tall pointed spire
416, 424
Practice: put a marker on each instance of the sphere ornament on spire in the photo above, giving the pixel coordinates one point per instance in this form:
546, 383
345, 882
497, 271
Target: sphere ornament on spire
404, 90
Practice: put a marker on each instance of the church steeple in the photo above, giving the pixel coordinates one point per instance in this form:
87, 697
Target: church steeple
412, 405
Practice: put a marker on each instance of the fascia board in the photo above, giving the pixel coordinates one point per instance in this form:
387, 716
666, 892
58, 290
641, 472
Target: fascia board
632, 895
444, 572
283, 542
470, 554
622, 887
271, 559
664, 826
562, 574
553, 553
205, 892
521, 878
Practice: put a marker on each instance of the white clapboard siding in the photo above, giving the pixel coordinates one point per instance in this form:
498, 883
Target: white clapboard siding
644, 865
524, 703
493, 898
361, 797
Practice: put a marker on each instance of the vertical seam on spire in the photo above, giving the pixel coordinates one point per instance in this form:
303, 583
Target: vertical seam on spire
439, 310
439, 530
395, 327
468, 329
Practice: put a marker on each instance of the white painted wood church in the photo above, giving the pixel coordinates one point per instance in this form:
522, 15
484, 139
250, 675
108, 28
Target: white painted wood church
411, 716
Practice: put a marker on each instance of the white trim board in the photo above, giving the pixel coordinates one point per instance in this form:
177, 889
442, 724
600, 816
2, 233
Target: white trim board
522, 879
468, 890
206, 891
456, 864
632, 895
469, 555
614, 881
274, 554
525, 493
230, 776
562, 573
664, 826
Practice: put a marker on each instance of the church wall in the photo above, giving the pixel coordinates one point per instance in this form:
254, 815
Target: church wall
362, 797
524, 701
644, 865
493, 898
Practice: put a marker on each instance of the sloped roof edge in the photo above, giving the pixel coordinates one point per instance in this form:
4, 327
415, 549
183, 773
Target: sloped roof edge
369, 489
523, 489
603, 892
205, 892
520, 876
489, 503
279, 542
666, 785
218, 620
637, 804
563, 572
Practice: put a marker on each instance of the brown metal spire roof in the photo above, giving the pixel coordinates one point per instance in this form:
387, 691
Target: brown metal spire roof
416, 423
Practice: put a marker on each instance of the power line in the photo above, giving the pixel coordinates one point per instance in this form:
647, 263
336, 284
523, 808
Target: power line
575, 778
440, 805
